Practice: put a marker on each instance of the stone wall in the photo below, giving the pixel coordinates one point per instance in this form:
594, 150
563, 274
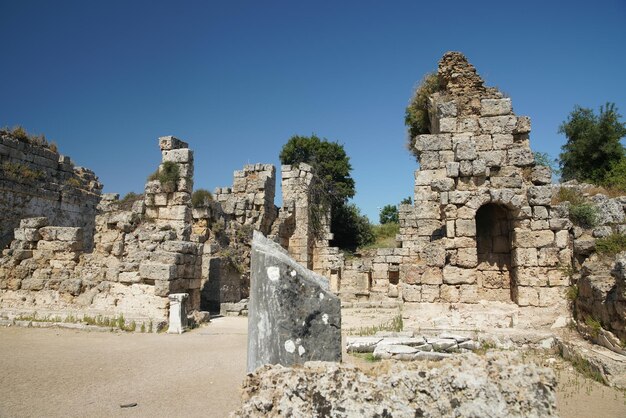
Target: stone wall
141, 254
37, 181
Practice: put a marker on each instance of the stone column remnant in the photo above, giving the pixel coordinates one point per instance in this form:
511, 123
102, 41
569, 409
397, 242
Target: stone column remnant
293, 317
178, 313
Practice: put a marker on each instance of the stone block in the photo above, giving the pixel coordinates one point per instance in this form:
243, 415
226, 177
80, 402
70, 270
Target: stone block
467, 257
541, 212
548, 257
429, 160
434, 254
129, 277
27, 234
442, 185
411, 293
465, 168
539, 195
498, 124
33, 222
496, 158
465, 150
156, 271
495, 107
180, 212
479, 168
526, 296
426, 177
430, 293
183, 247
523, 125
71, 286
557, 277
454, 275
524, 257
449, 294
531, 276
541, 174
59, 246
447, 125
182, 155
61, 233
293, 315
483, 142
562, 239
551, 296
33, 284
452, 169
167, 143
465, 228
468, 294
447, 109
520, 157
438, 142
532, 239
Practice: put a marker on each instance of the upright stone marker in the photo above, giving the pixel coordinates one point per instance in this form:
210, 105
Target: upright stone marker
293, 317
178, 313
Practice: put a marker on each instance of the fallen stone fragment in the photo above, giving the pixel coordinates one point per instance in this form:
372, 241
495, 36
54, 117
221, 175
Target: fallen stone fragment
362, 344
465, 385
293, 316
387, 351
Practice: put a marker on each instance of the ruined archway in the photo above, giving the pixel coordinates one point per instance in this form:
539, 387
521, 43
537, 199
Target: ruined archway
493, 247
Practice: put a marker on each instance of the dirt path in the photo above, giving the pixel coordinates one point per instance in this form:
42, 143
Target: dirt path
64, 373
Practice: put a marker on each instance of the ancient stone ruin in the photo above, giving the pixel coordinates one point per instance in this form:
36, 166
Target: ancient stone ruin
487, 227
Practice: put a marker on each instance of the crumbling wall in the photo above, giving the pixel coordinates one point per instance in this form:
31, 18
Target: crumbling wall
36, 181
141, 255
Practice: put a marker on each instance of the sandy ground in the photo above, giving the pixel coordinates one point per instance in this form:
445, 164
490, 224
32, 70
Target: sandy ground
65, 373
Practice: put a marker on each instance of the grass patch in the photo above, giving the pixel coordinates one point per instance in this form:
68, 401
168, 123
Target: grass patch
572, 293
21, 172
611, 245
594, 325
584, 367
567, 194
384, 236
73, 182
368, 357
484, 347
168, 172
395, 325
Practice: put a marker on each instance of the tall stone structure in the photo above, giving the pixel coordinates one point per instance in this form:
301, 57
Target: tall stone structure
482, 226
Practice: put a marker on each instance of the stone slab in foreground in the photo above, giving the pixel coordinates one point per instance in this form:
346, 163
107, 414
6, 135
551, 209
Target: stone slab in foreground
495, 385
293, 317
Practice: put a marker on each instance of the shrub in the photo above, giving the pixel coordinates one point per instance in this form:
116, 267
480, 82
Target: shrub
416, 114
389, 213
616, 177
20, 172
20, 134
73, 181
200, 198
594, 325
53, 146
583, 215
611, 245
126, 203
567, 194
168, 172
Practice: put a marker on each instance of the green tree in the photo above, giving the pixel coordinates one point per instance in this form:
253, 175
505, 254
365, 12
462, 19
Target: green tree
407, 201
334, 188
416, 116
388, 214
593, 144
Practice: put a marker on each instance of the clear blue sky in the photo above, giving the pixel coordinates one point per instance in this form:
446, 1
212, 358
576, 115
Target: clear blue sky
236, 79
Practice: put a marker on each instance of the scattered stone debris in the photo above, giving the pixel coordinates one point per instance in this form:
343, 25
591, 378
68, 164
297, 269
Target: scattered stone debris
495, 385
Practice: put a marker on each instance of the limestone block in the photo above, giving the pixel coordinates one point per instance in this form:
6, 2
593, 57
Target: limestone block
495, 107
167, 143
467, 125
447, 125
494, 279
526, 296
129, 277
293, 316
27, 234
452, 169
479, 167
434, 254
468, 294
464, 150
437, 142
180, 212
160, 199
562, 239
156, 271
59, 246
524, 257
483, 142
455, 275
548, 257
465, 168
183, 247
428, 210
523, 125
539, 225
442, 185
430, 293
502, 142
541, 174
429, 160
411, 293
432, 276
450, 230
540, 212
557, 277
520, 157
496, 158
539, 195
182, 155
33, 284
531, 276
509, 180
426, 177
60, 233
498, 124
71, 286
532, 239
465, 228
459, 197
551, 296
449, 294
178, 313
446, 109
467, 257
33, 222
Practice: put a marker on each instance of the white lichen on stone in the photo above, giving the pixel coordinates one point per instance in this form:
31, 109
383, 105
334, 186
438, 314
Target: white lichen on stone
290, 347
273, 273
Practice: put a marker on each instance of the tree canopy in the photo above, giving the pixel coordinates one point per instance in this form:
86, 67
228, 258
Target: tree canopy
334, 188
593, 145
388, 214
